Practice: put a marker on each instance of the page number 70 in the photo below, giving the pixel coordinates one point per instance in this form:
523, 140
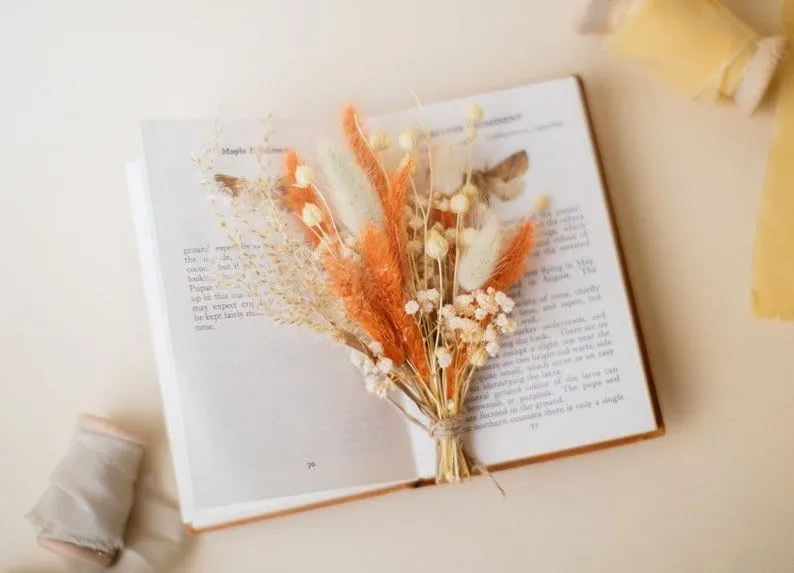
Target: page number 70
310, 465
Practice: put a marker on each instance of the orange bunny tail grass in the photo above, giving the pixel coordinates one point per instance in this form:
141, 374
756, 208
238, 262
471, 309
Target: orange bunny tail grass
365, 157
513, 259
349, 282
383, 265
291, 162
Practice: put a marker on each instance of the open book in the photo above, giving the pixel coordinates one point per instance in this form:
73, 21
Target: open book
265, 419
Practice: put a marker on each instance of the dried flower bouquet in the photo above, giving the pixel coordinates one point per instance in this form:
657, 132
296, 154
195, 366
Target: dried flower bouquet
407, 266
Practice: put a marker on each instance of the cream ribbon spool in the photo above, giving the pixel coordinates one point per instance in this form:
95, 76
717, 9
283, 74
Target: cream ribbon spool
84, 513
699, 46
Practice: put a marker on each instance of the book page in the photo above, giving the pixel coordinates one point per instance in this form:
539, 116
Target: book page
255, 410
572, 374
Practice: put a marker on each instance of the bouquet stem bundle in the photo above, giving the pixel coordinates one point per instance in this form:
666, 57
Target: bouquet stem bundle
401, 259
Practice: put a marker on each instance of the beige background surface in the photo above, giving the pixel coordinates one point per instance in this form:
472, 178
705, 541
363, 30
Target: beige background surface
715, 494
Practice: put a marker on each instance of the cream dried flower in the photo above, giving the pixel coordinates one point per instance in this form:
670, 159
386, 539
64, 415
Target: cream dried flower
379, 141
304, 176
505, 302
492, 348
474, 113
376, 348
436, 245
407, 140
459, 204
312, 215
411, 307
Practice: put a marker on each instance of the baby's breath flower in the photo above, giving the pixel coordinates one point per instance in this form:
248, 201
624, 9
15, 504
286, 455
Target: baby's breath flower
501, 320
443, 205
490, 334
378, 384
385, 365
451, 235
357, 358
481, 314
492, 348
428, 307
447, 311
411, 307
415, 246
431, 295
443, 356
464, 300
416, 222
504, 302
376, 348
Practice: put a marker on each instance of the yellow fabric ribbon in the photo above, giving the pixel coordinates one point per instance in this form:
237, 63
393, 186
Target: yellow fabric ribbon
696, 45
773, 271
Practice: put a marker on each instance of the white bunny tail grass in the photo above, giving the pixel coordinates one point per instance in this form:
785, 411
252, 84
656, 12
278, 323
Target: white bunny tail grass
353, 197
450, 163
479, 260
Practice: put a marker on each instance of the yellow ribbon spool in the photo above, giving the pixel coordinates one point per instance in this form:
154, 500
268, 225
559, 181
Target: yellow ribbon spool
698, 46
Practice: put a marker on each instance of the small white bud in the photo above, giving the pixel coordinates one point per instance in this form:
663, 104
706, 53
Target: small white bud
376, 348
411, 307
436, 245
474, 113
304, 176
312, 215
379, 141
407, 140
459, 204
540, 203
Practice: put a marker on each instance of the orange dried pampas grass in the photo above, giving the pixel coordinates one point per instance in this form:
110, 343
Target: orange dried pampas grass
383, 264
349, 281
364, 155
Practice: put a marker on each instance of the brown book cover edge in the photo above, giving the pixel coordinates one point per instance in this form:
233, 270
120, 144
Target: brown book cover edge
659, 431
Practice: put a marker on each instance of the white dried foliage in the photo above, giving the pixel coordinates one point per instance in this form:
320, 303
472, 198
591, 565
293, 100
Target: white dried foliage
479, 259
355, 201
273, 264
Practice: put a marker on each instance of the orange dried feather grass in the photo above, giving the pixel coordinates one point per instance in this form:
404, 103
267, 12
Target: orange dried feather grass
513, 259
363, 154
393, 207
350, 283
383, 265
